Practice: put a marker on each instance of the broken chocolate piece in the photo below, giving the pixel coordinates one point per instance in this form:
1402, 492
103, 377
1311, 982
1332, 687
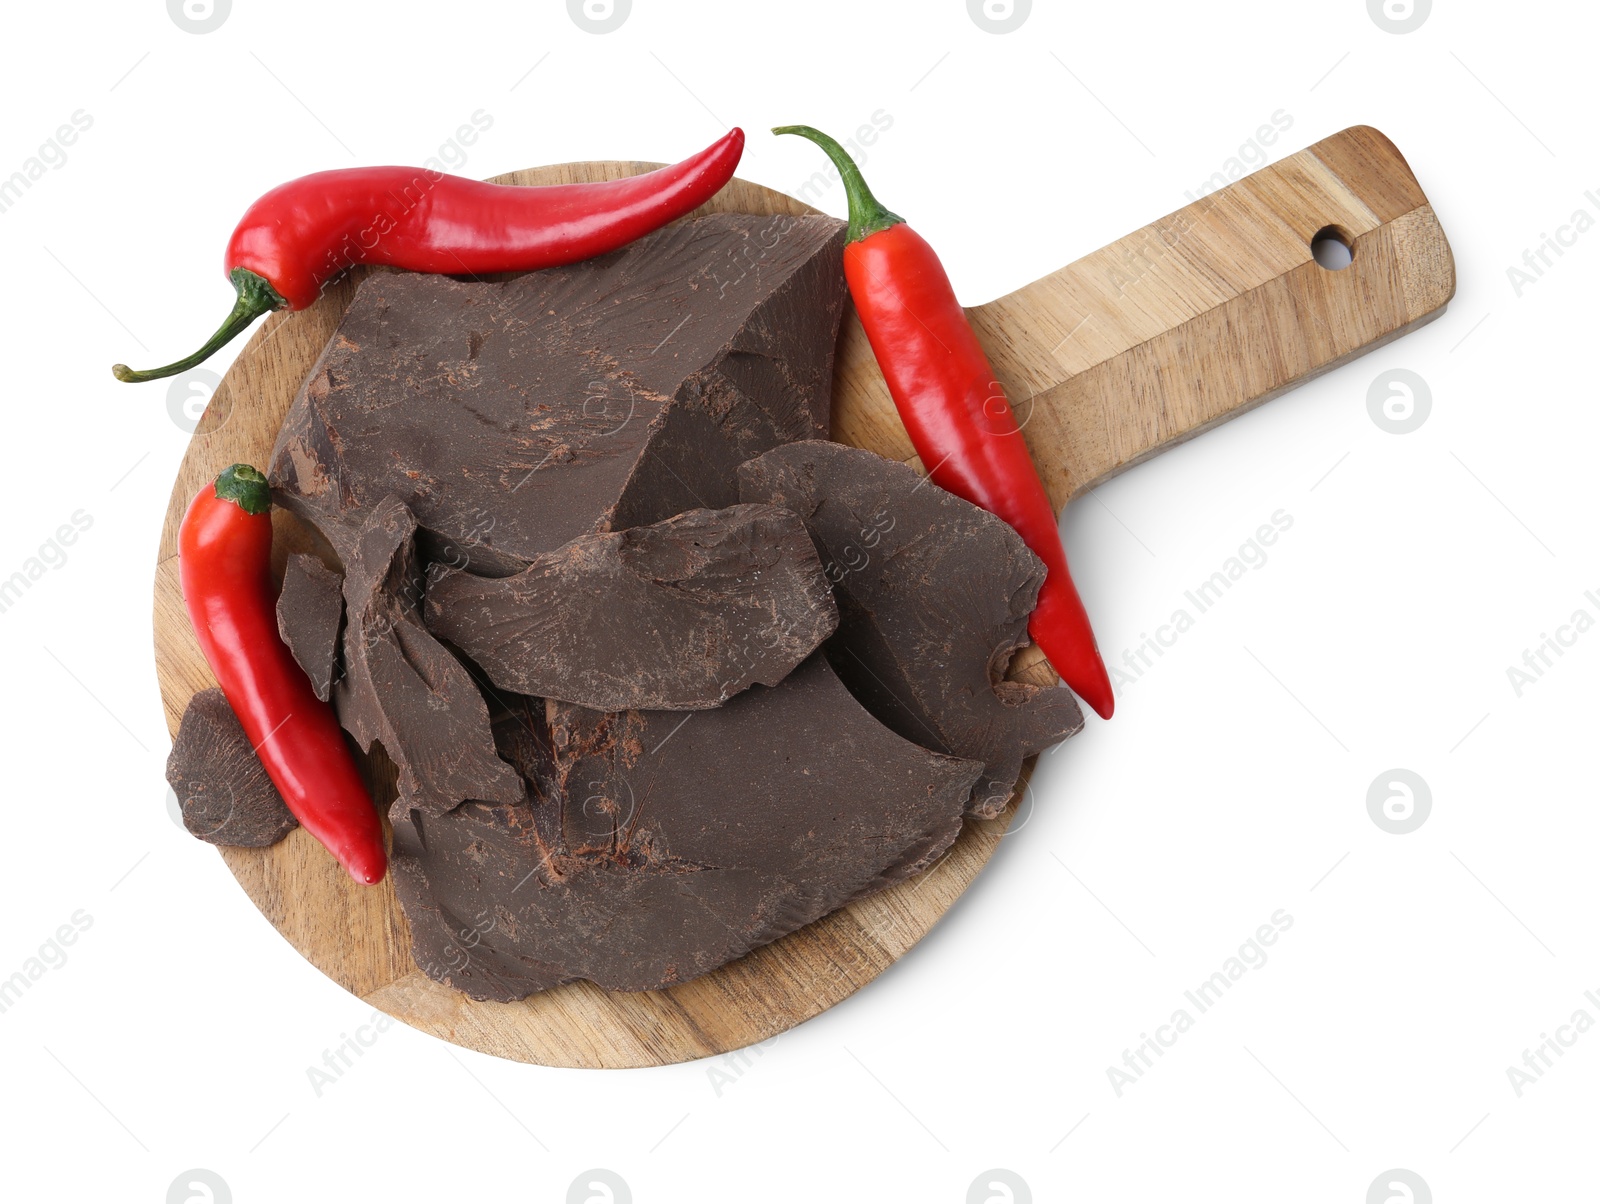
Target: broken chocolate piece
680, 615
680, 843
515, 416
402, 687
934, 596
522, 738
226, 795
310, 609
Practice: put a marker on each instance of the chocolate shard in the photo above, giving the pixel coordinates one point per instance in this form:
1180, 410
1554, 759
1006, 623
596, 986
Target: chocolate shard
934, 596
522, 738
405, 689
226, 795
680, 842
310, 610
680, 615
515, 416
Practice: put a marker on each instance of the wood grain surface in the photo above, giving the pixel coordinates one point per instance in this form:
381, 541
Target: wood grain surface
1178, 326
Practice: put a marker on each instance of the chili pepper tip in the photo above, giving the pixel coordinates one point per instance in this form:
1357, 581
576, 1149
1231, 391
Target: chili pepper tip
366, 868
256, 297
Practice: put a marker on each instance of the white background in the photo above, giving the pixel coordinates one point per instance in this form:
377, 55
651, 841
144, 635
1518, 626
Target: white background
1232, 783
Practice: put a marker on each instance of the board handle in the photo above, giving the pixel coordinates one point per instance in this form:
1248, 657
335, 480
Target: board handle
1205, 313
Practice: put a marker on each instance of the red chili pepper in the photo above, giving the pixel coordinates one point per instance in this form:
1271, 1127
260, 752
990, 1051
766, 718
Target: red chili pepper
955, 411
303, 233
224, 556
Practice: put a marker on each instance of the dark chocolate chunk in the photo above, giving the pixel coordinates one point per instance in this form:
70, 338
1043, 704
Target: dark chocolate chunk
680, 615
226, 795
310, 609
515, 416
522, 738
405, 689
679, 842
934, 596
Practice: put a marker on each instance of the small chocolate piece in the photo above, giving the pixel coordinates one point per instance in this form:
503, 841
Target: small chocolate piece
402, 687
515, 416
522, 738
679, 843
310, 609
934, 596
680, 615
226, 795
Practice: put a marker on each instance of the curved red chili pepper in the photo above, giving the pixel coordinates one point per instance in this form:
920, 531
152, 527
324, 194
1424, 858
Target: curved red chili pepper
302, 234
224, 556
955, 411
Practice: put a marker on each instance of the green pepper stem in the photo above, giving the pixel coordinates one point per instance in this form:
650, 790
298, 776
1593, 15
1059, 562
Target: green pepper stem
244, 485
256, 297
867, 213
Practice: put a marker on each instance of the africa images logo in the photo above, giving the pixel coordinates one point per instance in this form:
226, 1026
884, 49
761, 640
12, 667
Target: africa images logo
1399, 16
199, 16
999, 16
189, 395
1399, 1186
599, 1186
1399, 801
199, 1186
1399, 401
999, 1186
599, 16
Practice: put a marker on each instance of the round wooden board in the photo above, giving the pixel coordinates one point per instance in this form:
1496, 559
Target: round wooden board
358, 935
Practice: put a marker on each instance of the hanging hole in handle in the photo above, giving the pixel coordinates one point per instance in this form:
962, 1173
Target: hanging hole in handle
1332, 248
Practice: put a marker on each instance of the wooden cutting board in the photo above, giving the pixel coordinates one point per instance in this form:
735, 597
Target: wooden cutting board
1187, 322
